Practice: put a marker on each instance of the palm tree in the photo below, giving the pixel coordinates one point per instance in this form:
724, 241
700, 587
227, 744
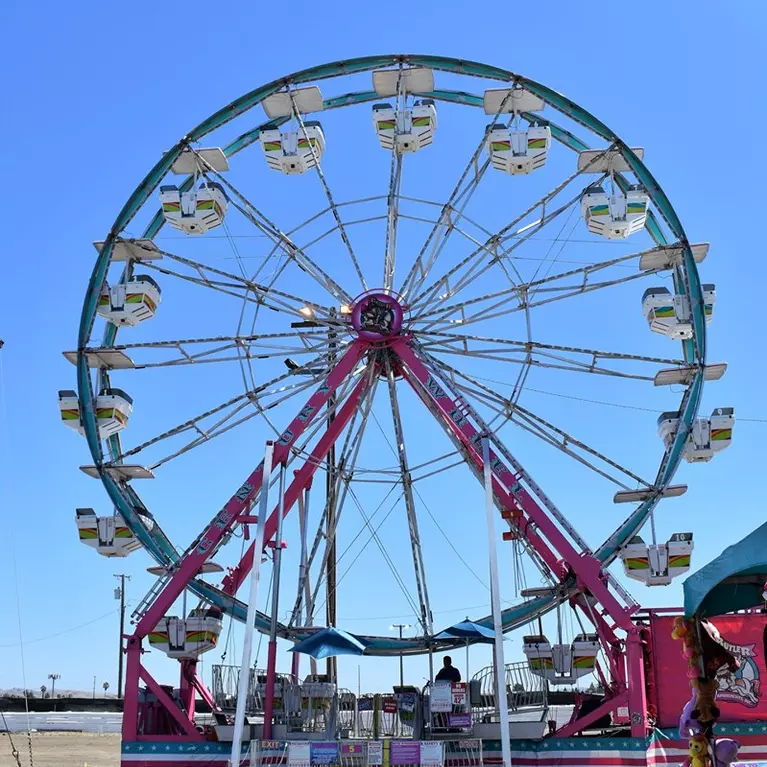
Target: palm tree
106, 687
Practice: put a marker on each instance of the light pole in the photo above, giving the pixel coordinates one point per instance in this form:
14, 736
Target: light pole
400, 626
53, 678
94, 687
120, 594
332, 325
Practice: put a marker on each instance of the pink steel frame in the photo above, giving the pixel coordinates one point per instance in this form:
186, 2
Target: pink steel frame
527, 516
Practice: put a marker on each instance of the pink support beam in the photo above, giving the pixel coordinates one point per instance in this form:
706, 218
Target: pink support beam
205, 693
271, 667
132, 681
303, 477
168, 704
186, 688
575, 726
243, 499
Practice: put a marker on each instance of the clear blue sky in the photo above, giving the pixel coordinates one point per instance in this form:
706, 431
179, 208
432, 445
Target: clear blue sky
97, 92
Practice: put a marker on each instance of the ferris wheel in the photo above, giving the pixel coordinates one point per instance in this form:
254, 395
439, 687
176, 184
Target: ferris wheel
385, 261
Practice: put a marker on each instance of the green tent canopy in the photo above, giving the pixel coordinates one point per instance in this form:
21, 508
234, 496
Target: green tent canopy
733, 581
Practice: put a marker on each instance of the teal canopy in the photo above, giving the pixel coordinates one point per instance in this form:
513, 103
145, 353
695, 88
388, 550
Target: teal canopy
733, 581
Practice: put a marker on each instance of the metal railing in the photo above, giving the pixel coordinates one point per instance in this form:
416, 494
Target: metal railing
526, 693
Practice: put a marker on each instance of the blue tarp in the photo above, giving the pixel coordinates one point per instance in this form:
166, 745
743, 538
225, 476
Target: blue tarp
733, 581
328, 642
468, 630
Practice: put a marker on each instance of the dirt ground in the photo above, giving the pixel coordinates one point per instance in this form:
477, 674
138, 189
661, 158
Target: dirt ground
62, 749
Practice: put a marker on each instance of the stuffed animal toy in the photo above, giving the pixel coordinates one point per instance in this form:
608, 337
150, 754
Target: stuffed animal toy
706, 711
687, 725
726, 752
698, 751
681, 628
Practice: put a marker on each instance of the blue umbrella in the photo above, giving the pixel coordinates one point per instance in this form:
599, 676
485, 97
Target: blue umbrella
469, 631
329, 642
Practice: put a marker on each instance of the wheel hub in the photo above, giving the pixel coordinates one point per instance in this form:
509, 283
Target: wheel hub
377, 316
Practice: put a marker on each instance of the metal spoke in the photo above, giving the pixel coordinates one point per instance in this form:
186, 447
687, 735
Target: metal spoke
241, 400
278, 237
529, 361
490, 246
407, 487
419, 272
274, 299
595, 354
392, 217
328, 193
546, 431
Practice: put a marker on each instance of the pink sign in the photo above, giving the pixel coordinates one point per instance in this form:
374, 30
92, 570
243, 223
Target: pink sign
404, 752
740, 696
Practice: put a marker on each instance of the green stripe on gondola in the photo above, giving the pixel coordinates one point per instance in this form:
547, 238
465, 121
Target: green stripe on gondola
663, 311
585, 661
201, 636
679, 560
171, 207
386, 125
272, 146
500, 146
720, 434
70, 415
636, 207
204, 204
637, 563
599, 210
158, 637
421, 122
87, 534
541, 664
536, 143
123, 532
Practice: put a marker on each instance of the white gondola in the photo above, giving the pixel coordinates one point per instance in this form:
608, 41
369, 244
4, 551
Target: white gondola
561, 663
187, 639
410, 129
113, 409
291, 151
657, 564
707, 436
518, 152
110, 536
129, 303
670, 315
196, 211
614, 216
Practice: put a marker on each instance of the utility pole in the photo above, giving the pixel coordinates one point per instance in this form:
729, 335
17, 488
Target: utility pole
94, 685
53, 678
332, 665
120, 594
330, 487
401, 626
